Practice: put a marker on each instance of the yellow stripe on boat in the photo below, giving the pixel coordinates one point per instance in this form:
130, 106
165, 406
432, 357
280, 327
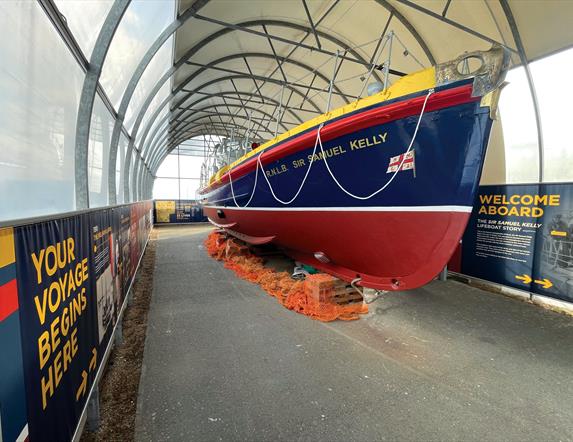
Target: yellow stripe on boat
410, 84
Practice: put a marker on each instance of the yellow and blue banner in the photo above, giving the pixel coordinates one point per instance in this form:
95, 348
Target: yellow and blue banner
521, 236
178, 211
63, 283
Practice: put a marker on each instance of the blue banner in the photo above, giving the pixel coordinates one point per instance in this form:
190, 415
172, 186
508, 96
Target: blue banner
63, 284
522, 236
58, 311
178, 211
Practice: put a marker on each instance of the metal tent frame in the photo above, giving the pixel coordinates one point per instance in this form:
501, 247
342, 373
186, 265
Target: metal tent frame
184, 119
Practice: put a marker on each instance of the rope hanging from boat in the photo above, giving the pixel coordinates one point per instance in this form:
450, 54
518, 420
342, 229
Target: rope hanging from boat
318, 142
303, 180
358, 197
254, 187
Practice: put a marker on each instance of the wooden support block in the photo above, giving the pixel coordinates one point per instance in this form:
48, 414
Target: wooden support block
328, 289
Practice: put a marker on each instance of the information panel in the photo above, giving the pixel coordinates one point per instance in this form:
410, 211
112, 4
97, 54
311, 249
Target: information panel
63, 283
521, 236
178, 211
58, 322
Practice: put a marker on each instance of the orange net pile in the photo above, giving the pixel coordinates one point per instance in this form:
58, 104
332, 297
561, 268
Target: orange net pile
319, 296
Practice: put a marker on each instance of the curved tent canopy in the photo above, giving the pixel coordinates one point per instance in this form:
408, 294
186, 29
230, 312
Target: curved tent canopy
430, 31
239, 66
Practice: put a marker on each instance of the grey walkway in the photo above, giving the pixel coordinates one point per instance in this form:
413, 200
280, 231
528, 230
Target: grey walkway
224, 361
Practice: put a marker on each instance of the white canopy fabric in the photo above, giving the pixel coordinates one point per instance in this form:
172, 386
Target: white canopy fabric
251, 62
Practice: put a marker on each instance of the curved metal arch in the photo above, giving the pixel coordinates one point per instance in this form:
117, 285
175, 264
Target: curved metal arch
226, 94
168, 148
523, 57
410, 27
205, 128
167, 135
272, 57
159, 143
208, 125
87, 99
188, 123
195, 74
166, 130
201, 44
267, 56
230, 105
264, 55
126, 189
143, 145
183, 120
156, 45
202, 128
444, 19
132, 84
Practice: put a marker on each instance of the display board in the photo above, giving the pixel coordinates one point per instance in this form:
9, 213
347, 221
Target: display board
63, 283
178, 211
521, 236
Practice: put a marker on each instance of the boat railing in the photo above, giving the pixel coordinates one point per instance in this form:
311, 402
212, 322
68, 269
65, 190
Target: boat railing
488, 76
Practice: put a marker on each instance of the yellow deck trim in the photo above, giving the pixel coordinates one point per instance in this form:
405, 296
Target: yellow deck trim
407, 85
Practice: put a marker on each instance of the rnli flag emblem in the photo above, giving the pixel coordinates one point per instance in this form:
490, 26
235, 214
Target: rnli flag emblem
406, 161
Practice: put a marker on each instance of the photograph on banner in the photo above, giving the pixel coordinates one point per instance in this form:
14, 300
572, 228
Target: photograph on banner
164, 210
105, 263
59, 326
553, 265
124, 247
134, 234
189, 211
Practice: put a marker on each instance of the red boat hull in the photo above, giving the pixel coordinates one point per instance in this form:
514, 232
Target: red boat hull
387, 249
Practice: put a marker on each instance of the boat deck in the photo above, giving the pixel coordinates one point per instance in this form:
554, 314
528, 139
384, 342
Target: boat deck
224, 361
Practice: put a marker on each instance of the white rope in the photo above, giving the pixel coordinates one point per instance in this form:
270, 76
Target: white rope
318, 142
305, 175
254, 187
358, 197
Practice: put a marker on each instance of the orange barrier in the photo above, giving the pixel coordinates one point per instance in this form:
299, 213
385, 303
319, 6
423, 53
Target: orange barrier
319, 296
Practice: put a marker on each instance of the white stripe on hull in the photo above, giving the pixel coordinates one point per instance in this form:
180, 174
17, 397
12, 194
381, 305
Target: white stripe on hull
466, 209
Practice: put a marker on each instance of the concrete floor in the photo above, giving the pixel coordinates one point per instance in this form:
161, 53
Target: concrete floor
224, 361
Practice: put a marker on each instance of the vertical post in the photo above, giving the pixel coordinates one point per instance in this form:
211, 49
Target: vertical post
523, 57
444, 274
248, 129
387, 70
118, 338
332, 83
280, 110
93, 416
87, 99
178, 175
231, 143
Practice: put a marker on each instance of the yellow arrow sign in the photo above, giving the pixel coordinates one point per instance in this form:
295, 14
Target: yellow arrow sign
558, 233
82, 388
545, 283
525, 278
93, 360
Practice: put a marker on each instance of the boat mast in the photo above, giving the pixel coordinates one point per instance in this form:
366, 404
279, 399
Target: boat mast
388, 60
280, 110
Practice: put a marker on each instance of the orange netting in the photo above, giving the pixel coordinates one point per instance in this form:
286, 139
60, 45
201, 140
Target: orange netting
319, 296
